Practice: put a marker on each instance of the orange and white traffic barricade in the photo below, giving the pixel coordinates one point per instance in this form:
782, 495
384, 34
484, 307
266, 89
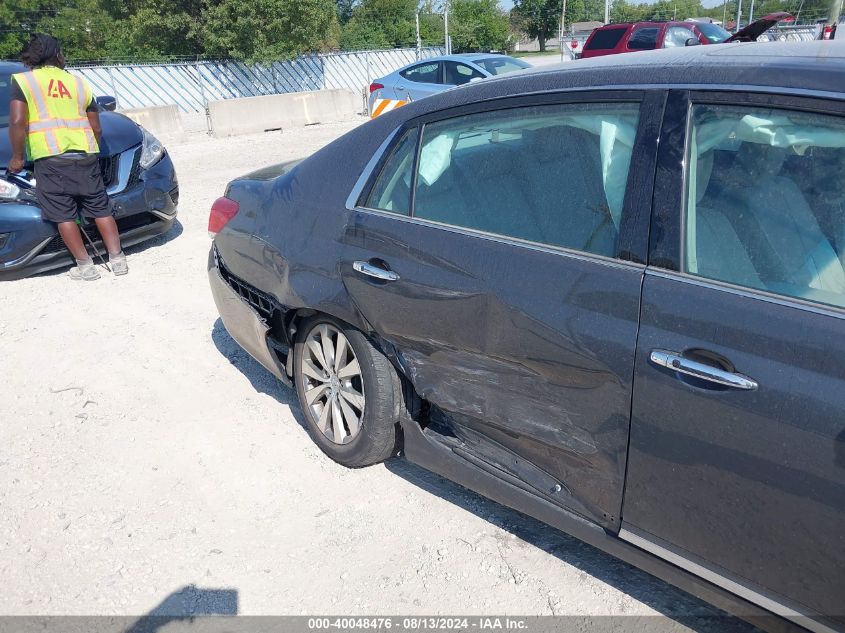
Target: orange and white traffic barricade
380, 106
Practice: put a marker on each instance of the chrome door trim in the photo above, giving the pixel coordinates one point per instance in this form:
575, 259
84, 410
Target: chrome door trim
375, 272
626, 533
677, 362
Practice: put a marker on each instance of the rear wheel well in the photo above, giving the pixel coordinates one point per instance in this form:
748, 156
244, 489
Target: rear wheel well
286, 325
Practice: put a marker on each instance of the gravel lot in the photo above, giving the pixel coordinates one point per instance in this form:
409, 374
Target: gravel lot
147, 464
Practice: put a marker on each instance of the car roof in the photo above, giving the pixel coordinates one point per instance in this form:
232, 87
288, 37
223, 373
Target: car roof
813, 65
796, 67
458, 57
7, 67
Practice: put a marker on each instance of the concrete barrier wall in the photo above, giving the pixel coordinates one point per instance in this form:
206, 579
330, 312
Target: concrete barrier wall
165, 122
274, 112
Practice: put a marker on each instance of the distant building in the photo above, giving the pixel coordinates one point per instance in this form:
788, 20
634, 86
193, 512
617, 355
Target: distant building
579, 28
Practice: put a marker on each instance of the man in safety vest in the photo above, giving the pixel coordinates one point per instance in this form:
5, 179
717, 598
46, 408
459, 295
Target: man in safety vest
54, 120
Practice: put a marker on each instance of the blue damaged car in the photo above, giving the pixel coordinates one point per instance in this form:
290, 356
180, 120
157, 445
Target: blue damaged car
138, 174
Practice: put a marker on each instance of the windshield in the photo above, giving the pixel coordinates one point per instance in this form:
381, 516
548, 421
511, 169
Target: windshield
501, 65
4, 99
713, 32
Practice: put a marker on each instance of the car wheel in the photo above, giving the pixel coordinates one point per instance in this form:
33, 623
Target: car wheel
349, 392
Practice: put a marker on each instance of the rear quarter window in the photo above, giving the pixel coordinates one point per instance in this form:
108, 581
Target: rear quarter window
604, 39
423, 73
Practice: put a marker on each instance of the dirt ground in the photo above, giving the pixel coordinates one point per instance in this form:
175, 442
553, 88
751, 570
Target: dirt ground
148, 464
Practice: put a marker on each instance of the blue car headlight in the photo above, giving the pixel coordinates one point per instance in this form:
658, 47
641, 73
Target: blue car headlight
8, 190
151, 150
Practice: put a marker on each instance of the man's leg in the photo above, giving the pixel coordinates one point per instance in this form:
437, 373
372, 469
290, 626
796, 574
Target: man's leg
108, 229
73, 240
58, 205
95, 202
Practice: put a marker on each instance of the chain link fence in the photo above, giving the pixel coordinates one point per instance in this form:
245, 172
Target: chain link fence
192, 84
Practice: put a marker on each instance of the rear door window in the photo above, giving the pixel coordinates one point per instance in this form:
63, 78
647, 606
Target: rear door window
423, 73
644, 39
605, 39
554, 175
456, 74
765, 203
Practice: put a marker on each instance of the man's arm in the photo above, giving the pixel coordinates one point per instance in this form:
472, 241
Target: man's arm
94, 122
18, 127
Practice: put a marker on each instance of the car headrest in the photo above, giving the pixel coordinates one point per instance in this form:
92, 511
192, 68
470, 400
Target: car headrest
759, 162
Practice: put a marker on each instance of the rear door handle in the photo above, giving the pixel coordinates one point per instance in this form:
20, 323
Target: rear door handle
689, 367
366, 268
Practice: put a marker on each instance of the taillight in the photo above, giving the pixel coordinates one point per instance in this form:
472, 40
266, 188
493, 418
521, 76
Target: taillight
375, 86
222, 211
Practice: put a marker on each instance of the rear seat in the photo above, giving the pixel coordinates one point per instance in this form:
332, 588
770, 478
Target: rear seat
566, 189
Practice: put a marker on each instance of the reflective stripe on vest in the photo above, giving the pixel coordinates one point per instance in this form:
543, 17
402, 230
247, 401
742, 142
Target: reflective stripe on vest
40, 109
83, 99
58, 121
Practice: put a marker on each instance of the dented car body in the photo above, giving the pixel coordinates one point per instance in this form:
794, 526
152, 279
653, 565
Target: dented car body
608, 374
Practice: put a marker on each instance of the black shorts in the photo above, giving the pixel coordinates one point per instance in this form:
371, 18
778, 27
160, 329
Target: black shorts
64, 186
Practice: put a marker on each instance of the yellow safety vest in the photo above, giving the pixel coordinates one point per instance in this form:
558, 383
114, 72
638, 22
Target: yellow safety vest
57, 103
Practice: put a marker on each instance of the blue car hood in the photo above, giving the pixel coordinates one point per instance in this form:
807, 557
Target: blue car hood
119, 134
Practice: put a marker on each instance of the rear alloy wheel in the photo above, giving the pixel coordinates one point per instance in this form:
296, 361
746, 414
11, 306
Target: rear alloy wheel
348, 391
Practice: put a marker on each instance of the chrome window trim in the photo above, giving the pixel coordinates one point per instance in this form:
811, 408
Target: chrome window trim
639, 538
369, 168
749, 293
511, 241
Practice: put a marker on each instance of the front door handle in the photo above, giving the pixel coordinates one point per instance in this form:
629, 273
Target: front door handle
366, 268
701, 371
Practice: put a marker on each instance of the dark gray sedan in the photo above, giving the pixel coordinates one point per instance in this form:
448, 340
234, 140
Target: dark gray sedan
611, 296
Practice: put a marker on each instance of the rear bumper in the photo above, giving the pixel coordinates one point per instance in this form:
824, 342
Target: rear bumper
148, 208
242, 321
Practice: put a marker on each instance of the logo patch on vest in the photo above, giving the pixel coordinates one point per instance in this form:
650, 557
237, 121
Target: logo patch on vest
57, 90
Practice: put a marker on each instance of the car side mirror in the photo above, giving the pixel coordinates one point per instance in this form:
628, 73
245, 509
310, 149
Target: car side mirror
107, 103
693, 41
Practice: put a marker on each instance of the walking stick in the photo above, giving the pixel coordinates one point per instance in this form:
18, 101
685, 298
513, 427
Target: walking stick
91, 243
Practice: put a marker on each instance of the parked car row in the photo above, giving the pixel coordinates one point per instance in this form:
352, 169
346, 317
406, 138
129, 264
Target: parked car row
610, 295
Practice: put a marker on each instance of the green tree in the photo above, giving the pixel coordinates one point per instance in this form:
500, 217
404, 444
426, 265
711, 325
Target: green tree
381, 24
478, 25
539, 18
264, 30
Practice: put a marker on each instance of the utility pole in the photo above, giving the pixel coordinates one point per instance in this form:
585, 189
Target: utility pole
751, 13
738, 14
446, 26
798, 15
562, 28
419, 41
725, 12
607, 11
